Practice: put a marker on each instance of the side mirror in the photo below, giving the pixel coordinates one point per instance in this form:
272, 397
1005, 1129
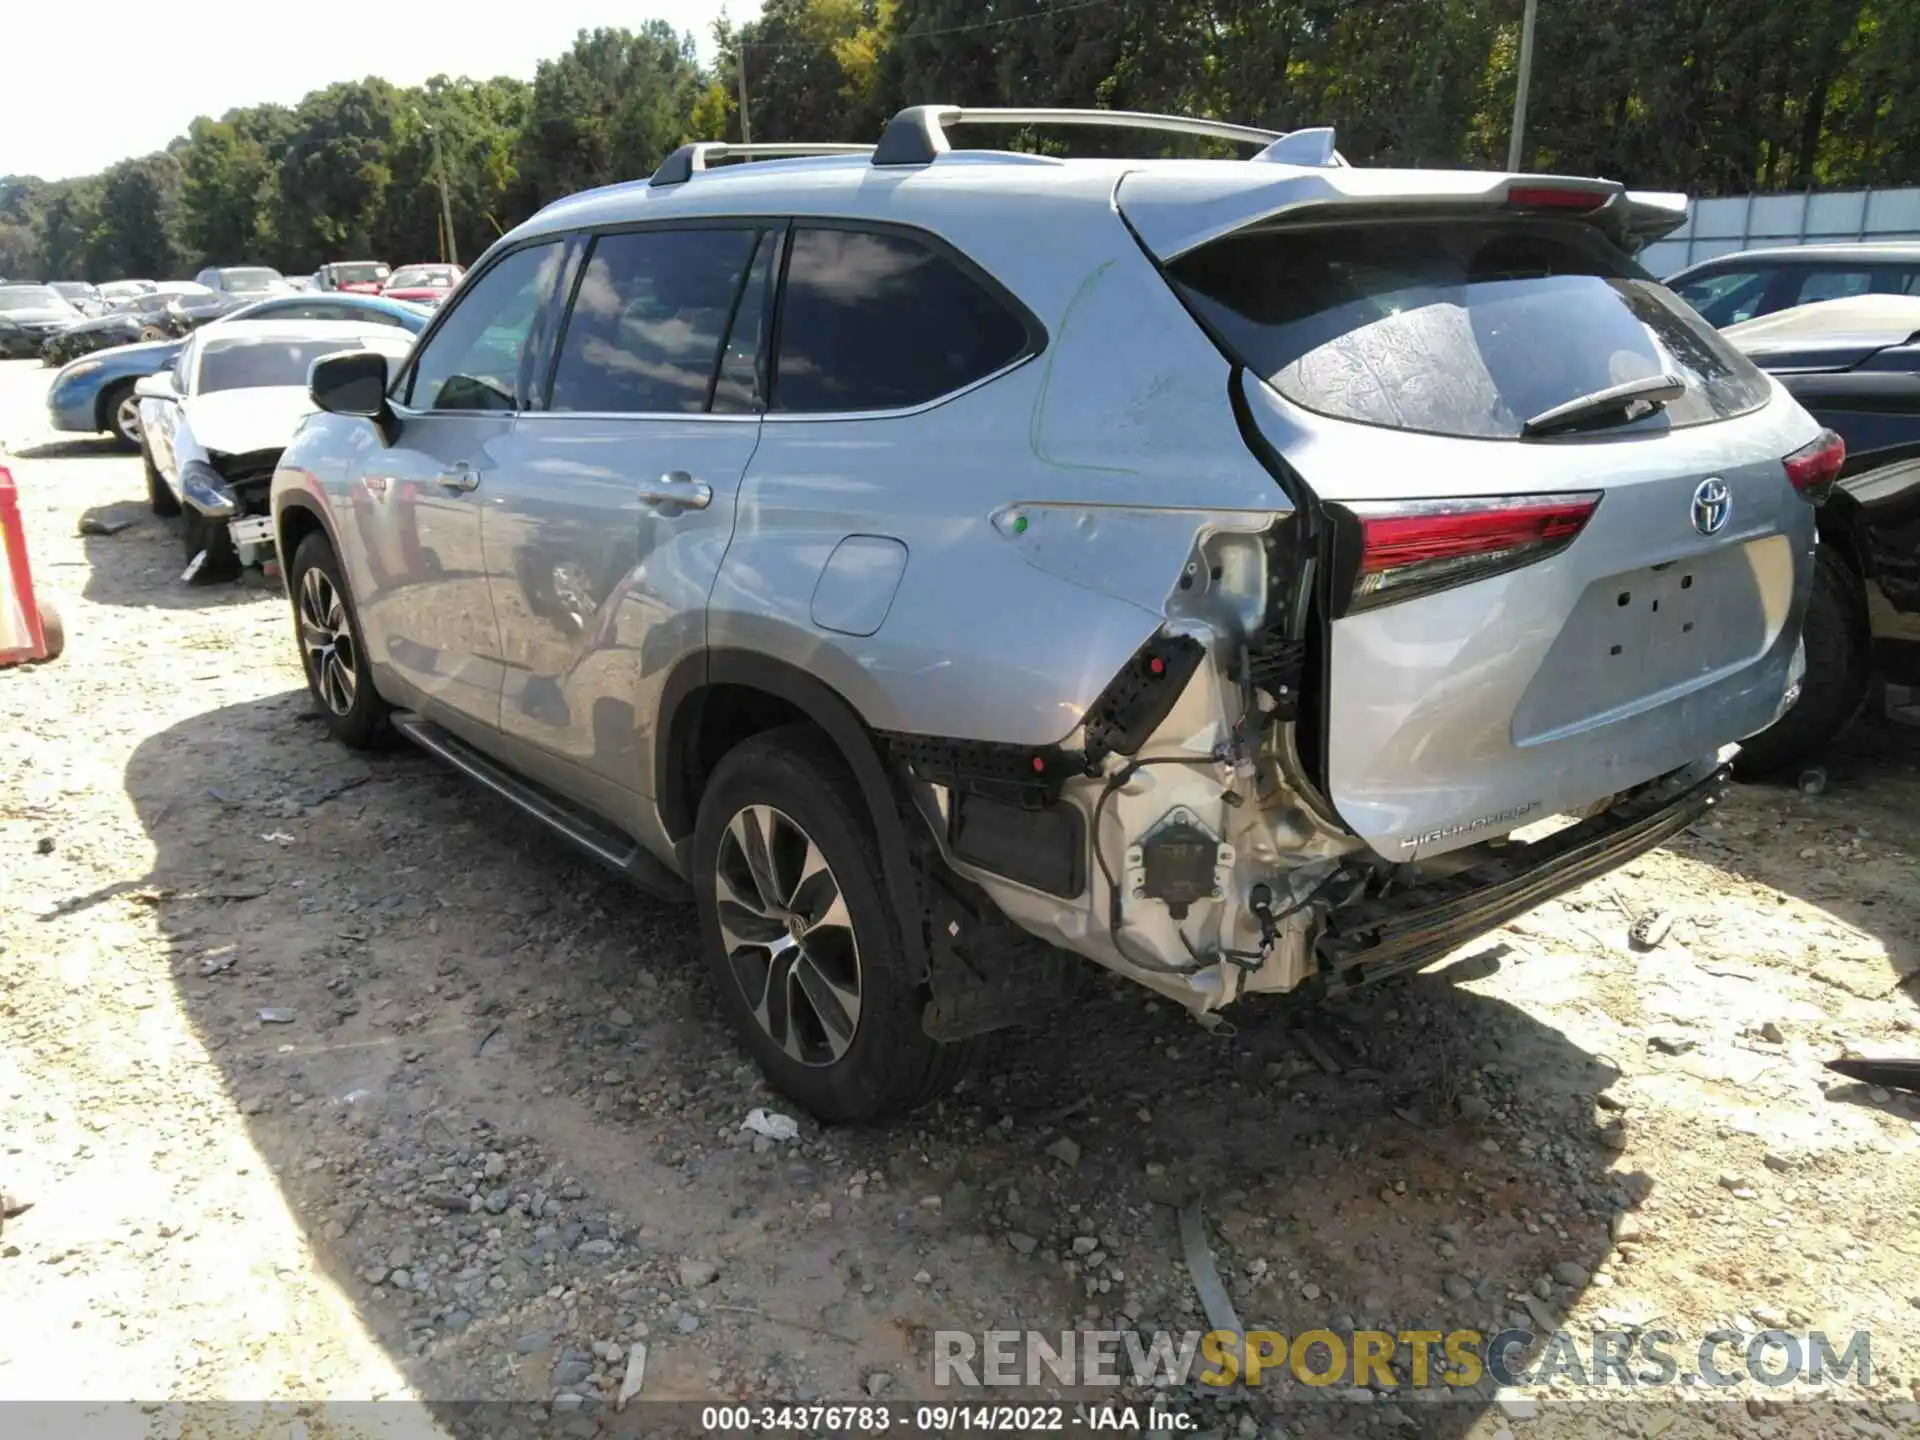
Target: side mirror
158, 386
353, 382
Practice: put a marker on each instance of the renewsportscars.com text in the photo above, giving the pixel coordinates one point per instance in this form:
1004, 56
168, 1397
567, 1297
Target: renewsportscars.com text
1643, 1359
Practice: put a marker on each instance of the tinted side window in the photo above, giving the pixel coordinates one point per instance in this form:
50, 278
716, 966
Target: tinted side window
876, 320
644, 333
1830, 285
472, 362
1728, 297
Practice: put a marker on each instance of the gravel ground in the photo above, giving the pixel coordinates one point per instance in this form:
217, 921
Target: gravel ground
329, 1076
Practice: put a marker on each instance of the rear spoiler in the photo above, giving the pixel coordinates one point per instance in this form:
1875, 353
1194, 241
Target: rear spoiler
1175, 212
1653, 214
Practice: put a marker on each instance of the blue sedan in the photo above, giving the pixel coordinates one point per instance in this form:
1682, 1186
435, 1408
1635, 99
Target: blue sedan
95, 393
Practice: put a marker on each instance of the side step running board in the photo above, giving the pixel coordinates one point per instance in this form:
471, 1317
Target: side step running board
584, 831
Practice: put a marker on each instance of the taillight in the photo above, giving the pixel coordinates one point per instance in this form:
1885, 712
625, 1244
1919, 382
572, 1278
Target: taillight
1554, 197
1812, 469
1418, 547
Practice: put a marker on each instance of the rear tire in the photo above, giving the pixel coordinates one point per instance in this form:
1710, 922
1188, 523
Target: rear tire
784, 854
332, 652
1839, 674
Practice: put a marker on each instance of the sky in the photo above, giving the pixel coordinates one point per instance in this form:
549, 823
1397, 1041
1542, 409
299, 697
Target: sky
81, 93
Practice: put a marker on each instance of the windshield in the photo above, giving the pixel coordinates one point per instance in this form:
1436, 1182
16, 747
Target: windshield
71, 290
254, 364
30, 297
368, 273
246, 281
1457, 327
413, 276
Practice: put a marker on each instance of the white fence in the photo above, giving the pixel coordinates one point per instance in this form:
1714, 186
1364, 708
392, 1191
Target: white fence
1745, 222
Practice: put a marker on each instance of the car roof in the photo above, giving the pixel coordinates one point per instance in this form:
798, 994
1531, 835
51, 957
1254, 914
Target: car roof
258, 331
1885, 319
1849, 253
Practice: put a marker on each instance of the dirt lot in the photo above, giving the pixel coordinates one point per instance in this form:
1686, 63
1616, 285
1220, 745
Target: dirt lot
329, 1077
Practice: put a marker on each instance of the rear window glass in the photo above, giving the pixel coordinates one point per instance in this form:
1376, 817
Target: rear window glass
1464, 328
877, 320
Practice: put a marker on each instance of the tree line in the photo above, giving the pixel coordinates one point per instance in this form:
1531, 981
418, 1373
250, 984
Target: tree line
1704, 96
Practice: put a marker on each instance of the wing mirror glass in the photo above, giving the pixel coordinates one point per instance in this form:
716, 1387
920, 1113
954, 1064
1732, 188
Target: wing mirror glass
353, 382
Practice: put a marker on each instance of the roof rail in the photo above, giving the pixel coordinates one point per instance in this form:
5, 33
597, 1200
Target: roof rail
688, 160
917, 135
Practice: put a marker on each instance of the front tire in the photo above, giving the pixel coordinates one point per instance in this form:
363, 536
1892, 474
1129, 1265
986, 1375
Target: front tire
332, 652
121, 409
200, 533
805, 953
1839, 674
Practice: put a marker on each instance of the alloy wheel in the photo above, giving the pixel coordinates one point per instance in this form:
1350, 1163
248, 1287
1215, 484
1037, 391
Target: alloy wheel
788, 935
327, 639
126, 419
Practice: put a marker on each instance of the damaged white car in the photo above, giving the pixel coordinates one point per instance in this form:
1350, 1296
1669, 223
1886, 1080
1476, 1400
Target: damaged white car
213, 426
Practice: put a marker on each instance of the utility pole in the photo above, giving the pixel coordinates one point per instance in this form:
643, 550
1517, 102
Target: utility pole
1518, 139
740, 69
446, 208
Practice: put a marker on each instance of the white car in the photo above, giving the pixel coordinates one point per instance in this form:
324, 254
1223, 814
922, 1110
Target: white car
213, 425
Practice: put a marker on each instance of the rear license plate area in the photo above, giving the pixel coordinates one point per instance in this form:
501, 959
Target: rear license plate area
1643, 633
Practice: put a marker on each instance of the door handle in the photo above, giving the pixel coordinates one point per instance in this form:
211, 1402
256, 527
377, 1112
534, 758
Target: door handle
676, 488
463, 477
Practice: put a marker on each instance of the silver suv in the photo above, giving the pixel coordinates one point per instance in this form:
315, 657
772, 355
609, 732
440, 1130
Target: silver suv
949, 563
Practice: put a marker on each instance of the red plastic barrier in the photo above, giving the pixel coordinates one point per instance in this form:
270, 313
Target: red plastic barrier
23, 629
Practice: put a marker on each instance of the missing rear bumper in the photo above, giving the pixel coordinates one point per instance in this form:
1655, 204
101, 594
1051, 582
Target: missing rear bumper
1370, 940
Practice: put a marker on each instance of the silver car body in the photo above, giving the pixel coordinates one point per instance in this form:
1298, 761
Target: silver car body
980, 568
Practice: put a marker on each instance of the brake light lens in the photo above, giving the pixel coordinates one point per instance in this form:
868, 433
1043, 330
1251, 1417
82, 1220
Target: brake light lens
1555, 197
1812, 469
1420, 547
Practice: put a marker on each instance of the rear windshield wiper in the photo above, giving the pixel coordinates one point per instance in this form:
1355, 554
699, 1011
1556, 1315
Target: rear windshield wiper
1615, 405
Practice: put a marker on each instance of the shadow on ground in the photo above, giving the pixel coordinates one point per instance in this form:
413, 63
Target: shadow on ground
1813, 846
80, 447
135, 558
453, 983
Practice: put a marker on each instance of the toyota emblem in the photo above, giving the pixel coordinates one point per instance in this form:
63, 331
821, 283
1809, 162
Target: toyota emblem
1712, 506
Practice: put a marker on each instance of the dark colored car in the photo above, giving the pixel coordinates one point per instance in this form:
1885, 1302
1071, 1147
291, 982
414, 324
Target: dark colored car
1855, 365
131, 319
1731, 288
29, 314
165, 314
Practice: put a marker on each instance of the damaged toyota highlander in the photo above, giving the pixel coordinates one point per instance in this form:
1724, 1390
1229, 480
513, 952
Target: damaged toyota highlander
1249, 575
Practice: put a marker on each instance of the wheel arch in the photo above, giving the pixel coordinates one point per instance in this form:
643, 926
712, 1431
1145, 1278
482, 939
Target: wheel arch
716, 698
106, 400
299, 517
